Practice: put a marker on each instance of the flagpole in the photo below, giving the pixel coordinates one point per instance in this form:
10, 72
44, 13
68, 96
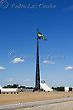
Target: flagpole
37, 80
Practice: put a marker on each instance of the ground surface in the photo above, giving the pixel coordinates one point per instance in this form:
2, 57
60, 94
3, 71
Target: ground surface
56, 106
32, 96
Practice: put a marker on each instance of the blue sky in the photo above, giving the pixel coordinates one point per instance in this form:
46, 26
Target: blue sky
19, 21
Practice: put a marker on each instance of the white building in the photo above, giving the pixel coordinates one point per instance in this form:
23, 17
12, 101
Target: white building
8, 90
66, 89
45, 87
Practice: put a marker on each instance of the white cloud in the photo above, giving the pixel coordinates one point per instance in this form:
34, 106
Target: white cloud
48, 62
2, 68
69, 68
17, 60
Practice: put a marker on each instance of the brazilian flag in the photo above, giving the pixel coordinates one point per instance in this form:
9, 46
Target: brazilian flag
40, 36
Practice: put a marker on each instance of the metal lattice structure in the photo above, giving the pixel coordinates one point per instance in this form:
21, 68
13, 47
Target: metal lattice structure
37, 81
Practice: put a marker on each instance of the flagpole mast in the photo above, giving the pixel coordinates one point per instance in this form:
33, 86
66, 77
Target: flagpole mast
37, 81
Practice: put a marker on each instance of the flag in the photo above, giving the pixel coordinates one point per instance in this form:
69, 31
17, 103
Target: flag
40, 35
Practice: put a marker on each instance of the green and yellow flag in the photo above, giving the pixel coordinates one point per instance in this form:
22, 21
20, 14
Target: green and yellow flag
40, 35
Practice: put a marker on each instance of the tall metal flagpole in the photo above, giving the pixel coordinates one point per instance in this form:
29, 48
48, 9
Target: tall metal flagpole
37, 81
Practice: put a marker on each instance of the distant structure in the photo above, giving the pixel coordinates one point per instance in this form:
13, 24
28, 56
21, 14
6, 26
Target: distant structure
8, 90
37, 81
45, 87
